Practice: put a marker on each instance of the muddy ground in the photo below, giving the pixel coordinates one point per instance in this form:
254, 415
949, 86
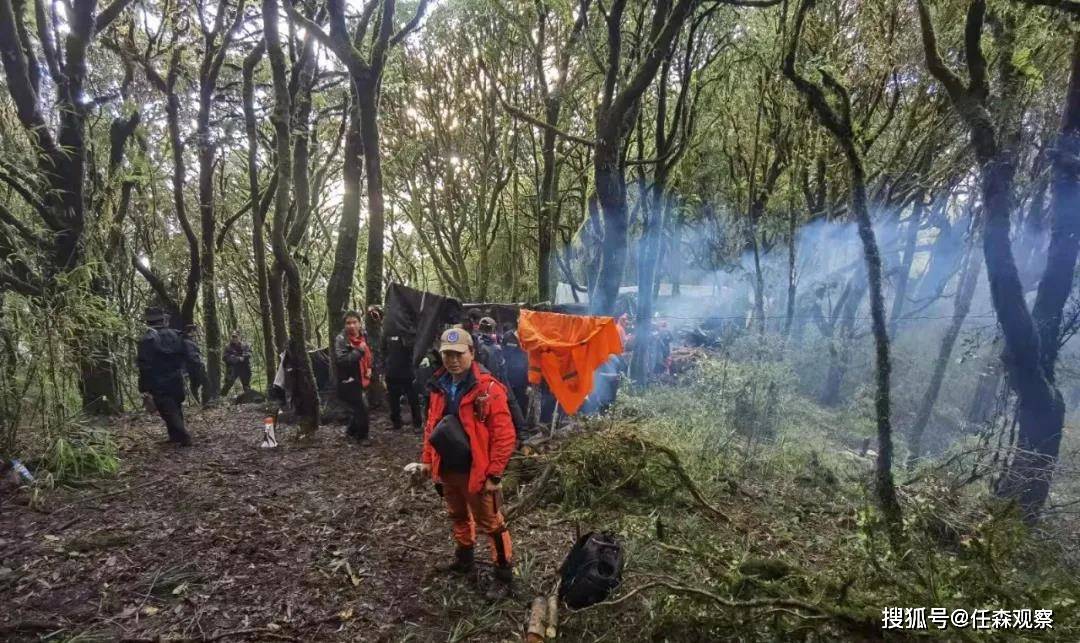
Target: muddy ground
324, 541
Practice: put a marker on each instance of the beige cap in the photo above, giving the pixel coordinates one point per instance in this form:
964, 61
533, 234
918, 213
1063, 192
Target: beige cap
455, 340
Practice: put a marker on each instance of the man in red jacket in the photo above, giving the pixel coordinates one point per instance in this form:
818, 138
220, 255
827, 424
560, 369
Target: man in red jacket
473, 496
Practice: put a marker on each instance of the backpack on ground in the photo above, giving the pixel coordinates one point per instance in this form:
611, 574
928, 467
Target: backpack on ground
592, 569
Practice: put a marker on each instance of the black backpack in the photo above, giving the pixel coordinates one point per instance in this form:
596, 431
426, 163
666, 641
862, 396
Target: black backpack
592, 569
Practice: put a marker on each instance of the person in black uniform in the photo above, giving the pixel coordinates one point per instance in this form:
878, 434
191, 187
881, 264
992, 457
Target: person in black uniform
400, 380
162, 357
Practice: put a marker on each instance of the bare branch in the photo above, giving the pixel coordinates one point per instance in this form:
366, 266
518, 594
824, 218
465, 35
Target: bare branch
976, 62
532, 120
934, 63
17, 72
411, 25
24, 231
109, 14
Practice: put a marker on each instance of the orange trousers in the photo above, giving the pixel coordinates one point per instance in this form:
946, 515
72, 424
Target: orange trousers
469, 511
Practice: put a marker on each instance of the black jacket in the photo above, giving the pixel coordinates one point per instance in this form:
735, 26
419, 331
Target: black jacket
490, 355
517, 366
237, 353
347, 359
163, 356
397, 353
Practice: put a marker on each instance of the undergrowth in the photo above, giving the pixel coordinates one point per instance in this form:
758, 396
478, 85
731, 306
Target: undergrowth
781, 540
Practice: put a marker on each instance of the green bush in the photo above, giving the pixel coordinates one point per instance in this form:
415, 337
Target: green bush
80, 454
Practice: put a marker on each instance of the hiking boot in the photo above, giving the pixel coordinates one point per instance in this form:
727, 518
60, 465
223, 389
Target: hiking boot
464, 561
502, 586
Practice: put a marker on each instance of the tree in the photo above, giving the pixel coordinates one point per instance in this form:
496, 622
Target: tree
365, 72
1030, 336
216, 41
670, 142
306, 395
837, 120
615, 116
258, 244
59, 160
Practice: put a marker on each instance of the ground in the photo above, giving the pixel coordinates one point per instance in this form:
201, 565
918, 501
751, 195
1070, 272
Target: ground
226, 541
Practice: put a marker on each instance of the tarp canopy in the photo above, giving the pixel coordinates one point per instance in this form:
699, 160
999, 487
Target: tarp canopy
418, 317
565, 351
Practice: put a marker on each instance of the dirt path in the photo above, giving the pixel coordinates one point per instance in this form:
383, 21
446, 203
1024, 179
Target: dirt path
320, 542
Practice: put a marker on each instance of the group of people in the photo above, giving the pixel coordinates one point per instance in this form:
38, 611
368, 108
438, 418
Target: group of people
466, 396
500, 354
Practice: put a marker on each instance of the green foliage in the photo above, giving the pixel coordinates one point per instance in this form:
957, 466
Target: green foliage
800, 524
80, 454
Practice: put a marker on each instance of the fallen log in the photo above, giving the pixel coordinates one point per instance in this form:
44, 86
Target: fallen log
537, 630
552, 617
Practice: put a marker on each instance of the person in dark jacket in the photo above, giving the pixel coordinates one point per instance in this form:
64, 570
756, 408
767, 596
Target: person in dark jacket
432, 362
162, 357
196, 370
517, 368
490, 356
352, 360
400, 379
238, 363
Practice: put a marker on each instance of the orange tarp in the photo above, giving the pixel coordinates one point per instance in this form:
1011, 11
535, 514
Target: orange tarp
566, 350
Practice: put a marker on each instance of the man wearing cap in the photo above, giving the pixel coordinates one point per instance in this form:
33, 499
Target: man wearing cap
465, 397
162, 357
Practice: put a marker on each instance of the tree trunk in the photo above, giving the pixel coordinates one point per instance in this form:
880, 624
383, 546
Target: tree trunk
270, 359
344, 271
884, 487
965, 292
675, 254
546, 209
611, 194
841, 336
306, 396
1041, 408
904, 275
211, 324
373, 275
840, 127
759, 278
792, 275
276, 292
642, 360
179, 179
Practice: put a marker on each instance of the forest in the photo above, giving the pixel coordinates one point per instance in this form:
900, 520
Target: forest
826, 246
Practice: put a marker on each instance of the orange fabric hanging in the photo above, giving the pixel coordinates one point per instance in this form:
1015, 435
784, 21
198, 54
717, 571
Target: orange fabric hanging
565, 350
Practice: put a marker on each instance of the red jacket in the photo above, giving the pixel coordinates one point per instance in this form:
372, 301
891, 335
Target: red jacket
491, 434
